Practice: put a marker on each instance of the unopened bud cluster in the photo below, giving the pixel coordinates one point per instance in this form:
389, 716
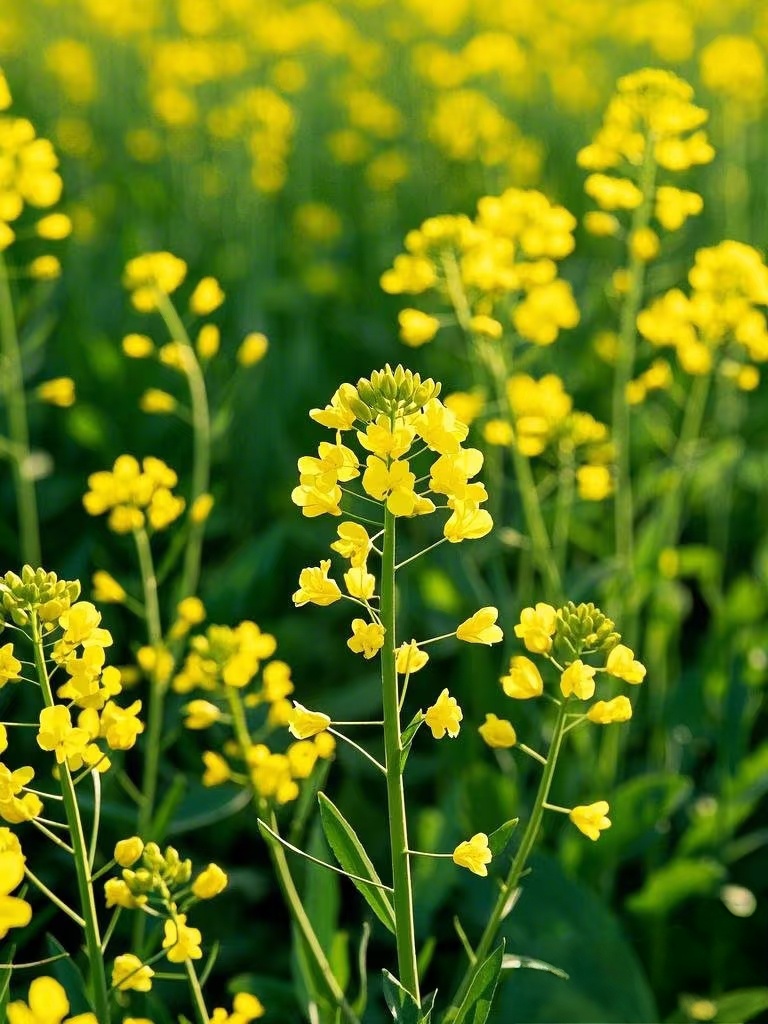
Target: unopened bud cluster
36, 590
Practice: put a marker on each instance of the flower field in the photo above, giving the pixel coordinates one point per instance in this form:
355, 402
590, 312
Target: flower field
384, 483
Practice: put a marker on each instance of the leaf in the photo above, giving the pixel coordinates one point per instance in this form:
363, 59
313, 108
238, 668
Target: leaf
512, 961
67, 973
499, 840
351, 855
406, 738
162, 819
741, 1006
479, 998
676, 882
402, 1005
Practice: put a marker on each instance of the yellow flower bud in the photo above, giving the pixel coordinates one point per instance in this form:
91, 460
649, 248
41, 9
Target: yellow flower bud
208, 341
524, 680
128, 851
206, 297
59, 391
209, 883
201, 508
253, 349
498, 732
138, 346
201, 714
158, 402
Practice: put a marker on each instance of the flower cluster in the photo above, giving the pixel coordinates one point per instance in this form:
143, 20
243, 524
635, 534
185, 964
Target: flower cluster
582, 645
135, 494
504, 260
159, 882
225, 663
720, 319
47, 1001
29, 177
650, 122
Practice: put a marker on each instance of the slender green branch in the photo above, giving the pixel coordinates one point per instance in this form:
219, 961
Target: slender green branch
98, 981
201, 427
197, 993
12, 377
518, 864
359, 749
54, 898
398, 830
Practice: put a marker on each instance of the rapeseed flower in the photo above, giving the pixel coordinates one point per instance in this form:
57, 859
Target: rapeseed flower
474, 854
498, 732
481, 628
444, 716
591, 819
130, 974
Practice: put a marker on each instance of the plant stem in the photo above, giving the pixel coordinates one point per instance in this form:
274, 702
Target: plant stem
18, 426
157, 685
518, 865
398, 831
197, 993
97, 976
625, 364
285, 878
201, 427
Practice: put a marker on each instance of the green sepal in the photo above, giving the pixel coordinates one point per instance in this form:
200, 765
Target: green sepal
499, 840
351, 855
402, 1005
479, 998
406, 738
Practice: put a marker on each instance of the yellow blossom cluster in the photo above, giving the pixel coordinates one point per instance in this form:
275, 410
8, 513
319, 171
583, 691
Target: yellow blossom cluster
582, 645
651, 122
225, 663
135, 494
496, 271
47, 1001
721, 317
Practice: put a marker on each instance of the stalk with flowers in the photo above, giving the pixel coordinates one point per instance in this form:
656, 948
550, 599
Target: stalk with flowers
400, 423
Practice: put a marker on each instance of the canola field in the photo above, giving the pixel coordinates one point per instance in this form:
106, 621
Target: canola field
384, 489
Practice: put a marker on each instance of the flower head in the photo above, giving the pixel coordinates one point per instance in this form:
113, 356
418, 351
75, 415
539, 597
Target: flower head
537, 627
444, 716
578, 680
524, 679
622, 664
474, 854
304, 723
498, 732
591, 819
367, 638
481, 627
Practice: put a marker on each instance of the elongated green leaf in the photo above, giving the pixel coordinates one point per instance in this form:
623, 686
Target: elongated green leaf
351, 855
402, 1005
479, 999
499, 840
512, 961
407, 737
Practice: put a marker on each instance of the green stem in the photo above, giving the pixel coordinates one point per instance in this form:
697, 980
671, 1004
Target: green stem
197, 993
157, 686
564, 505
285, 878
625, 365
201, 427
518, 865
97, 976
398, 830
18, 426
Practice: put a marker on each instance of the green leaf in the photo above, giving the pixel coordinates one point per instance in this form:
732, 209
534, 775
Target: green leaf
67, 973
479, 999
499, 840
512, 961
675, 882
351, 855
166, 810
402, 1005
406, 738
741, 1006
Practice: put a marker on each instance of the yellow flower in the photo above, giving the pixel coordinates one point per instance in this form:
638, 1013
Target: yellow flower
208, 341
410, 658
325, 745
444, 716
157, 402
304, 723
367, 638
106, 589
360, 583
621, 664
181, 941
155, 272
315, 587
128, 851
252, 349
206, 297
191, 610
138, 346
537, 627
613, 193
201, 508
674, 206
644, 244
591, 819
578, 679
440, 429
486, 327
474, 854
353, 543
117, 894
601, 224
59, 391
59, 735
201, 714
606, 712
498, 432
394, 482
417, 328
44, 268
302, 757
121, 726
481, 627
498, 732
54, 227
466, 405
10, 666
594, 483
209, 883
129, 974
245, 1008
14, 912
48, 1004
